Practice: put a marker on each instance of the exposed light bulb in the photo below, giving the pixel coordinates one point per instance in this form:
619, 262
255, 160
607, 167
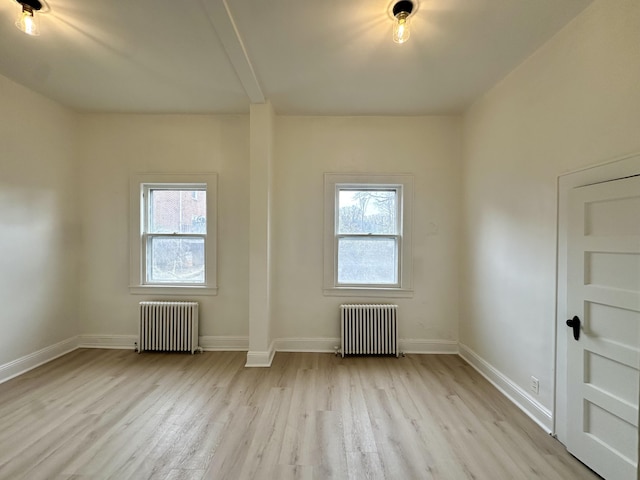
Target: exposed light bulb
27, 22
402, 11
401, 30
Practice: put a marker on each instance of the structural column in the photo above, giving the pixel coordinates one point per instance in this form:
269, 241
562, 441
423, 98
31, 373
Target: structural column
261, 166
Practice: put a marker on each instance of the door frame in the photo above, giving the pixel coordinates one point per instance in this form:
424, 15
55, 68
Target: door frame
615, 169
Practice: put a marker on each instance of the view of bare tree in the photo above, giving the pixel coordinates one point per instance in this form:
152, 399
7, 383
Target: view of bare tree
367, 248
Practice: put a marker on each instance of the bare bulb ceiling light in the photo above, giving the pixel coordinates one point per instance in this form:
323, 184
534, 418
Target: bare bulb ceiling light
402, 13
27, 22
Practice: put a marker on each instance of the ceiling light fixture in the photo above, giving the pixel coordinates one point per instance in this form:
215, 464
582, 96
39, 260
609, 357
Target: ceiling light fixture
27, 22
402, 12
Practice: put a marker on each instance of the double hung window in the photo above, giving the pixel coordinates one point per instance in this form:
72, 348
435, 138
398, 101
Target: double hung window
368, 235
173, 234
368, 240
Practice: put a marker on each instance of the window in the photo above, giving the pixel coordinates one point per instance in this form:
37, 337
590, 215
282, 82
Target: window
173, 234
367, 235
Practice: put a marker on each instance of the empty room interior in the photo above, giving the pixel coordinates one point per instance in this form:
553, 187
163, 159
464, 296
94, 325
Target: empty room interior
469, 168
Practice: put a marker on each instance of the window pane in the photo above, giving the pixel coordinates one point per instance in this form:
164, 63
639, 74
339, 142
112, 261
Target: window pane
367, 211
367, 261
175, 260
177, 211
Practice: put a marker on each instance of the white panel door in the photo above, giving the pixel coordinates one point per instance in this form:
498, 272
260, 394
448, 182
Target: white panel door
603, 364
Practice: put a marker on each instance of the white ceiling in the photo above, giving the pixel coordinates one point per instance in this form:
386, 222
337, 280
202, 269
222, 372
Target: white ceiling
323, 57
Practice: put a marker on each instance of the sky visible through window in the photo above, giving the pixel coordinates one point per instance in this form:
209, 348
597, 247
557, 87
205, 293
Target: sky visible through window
367, 230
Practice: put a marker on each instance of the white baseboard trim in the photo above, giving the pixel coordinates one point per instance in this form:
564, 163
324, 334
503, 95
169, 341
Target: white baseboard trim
261, 359
224, 344
310, 345
329, 345
212, 343
529, 405
208, 343
411, 345
33, 360
125, 342
121, 342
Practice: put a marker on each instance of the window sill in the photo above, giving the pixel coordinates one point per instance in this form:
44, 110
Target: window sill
172, 290
367, 292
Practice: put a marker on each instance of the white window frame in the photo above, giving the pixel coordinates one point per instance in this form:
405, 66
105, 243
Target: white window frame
140, 184
403, 184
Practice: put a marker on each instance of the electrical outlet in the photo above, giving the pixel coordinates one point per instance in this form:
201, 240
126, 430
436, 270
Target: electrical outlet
535, 385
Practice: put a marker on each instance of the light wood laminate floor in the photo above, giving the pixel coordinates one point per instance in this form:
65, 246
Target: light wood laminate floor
114, 414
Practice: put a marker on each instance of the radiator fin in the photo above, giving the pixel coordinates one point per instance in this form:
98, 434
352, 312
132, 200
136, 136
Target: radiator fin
168, 327
369, 329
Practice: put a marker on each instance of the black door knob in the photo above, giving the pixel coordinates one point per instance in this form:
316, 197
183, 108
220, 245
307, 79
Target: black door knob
575, 324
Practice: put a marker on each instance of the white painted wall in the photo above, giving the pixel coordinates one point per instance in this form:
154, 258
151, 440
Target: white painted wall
306, 148
39, 232
575, 102
115, 146
112, 147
